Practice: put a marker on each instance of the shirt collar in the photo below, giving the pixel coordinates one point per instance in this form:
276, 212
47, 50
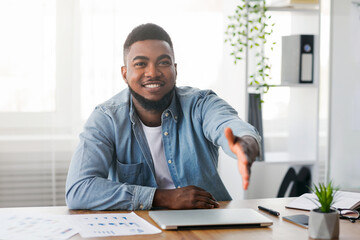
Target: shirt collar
132, 113
173, 108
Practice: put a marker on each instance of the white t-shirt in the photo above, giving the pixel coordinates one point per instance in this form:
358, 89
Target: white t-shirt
155, 142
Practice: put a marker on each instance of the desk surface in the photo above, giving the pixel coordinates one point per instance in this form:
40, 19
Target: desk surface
279, 230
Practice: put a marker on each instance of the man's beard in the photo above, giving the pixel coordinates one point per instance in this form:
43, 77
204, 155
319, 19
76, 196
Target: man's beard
157, 106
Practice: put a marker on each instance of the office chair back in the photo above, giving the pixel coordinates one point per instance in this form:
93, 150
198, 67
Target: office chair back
300, 182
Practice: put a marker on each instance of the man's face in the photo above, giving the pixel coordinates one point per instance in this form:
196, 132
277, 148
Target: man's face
150, 71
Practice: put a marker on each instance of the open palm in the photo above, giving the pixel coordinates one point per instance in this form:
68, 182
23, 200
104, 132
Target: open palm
237, 149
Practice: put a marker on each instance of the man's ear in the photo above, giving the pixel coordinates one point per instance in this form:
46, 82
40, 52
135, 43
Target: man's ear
123, 73
175, 64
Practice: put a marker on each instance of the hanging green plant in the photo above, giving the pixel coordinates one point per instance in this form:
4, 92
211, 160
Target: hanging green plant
249, 30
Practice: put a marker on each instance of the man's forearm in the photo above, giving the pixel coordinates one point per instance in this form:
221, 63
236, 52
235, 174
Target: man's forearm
188, 197
161, 198
101, 194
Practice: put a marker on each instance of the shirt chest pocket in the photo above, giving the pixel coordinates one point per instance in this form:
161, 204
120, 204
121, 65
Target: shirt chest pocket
130, 173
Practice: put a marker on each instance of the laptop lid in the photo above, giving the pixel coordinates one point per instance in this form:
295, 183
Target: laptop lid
174, 219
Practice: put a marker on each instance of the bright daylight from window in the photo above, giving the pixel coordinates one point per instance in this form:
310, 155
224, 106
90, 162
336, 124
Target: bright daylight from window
27, 59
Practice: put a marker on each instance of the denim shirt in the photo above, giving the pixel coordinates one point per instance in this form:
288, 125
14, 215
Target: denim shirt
112, 167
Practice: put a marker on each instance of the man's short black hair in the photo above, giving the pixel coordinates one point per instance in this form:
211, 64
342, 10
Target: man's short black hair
148, 31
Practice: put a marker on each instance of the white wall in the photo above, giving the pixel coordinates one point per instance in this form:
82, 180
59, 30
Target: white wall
231, 88
344, 93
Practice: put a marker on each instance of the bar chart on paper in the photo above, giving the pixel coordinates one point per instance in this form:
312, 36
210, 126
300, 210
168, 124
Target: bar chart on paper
103, 225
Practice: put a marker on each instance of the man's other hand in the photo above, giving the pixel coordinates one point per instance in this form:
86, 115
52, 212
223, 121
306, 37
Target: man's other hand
243, 148
184, 198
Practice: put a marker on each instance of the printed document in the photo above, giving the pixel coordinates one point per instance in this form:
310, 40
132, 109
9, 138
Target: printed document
112, 224
30, 226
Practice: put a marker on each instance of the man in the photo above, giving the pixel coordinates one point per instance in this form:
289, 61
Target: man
154, 144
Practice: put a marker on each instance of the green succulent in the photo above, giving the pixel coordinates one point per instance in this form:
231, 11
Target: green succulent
325, 195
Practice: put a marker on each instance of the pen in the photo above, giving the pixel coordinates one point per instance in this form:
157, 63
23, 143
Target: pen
272, 212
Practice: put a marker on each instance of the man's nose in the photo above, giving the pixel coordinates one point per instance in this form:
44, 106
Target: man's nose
152, 71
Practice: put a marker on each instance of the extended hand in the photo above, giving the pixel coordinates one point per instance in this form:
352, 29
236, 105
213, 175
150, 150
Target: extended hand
184, 198
243, 162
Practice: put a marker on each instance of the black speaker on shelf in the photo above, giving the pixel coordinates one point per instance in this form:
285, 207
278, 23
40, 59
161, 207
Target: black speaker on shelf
297, 59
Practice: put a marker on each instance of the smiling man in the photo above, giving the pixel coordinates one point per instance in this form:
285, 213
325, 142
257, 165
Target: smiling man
155, 144
150, 73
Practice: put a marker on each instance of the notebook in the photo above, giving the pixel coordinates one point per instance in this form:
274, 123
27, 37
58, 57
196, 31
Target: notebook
342, 199
185, 219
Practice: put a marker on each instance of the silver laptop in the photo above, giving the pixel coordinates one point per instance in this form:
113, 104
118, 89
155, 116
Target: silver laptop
185, 219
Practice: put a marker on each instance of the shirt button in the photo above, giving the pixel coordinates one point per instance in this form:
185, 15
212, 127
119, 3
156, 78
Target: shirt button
178, 187
169, 161
175, 117
141, 206
166, 133
166, 114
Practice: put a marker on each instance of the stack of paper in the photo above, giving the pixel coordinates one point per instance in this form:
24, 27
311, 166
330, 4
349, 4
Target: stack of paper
34, 226
44, 227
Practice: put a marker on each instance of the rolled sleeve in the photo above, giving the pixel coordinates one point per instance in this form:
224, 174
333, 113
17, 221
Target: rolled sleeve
216, 115
143, 197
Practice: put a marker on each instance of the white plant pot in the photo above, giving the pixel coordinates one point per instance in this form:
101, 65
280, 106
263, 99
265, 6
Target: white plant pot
323, 225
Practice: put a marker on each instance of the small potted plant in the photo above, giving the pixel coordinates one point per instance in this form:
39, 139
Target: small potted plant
324, 220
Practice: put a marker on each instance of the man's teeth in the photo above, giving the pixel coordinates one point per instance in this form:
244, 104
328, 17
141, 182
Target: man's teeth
152, 85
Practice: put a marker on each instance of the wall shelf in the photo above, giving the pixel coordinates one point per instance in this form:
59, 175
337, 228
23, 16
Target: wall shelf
299, 85
295, 8
285, 157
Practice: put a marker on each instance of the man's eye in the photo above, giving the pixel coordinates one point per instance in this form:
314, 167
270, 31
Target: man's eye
140, 64
164, 63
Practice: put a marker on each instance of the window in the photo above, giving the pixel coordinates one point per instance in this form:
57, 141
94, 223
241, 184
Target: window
27, 59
